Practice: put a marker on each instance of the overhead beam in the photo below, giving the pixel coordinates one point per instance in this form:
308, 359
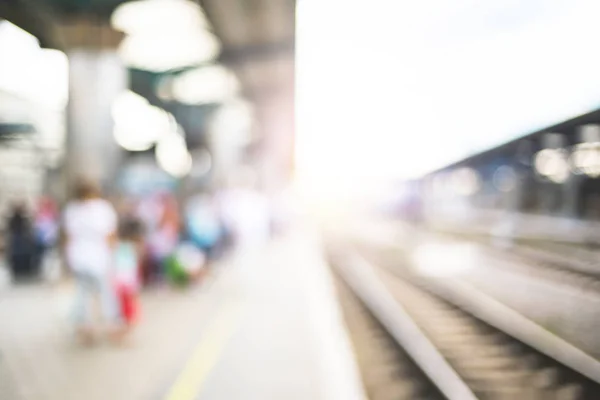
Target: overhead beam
257, 52
34, 18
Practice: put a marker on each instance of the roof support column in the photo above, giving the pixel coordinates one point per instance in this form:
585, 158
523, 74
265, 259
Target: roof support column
571, 196
97, 77
277, 123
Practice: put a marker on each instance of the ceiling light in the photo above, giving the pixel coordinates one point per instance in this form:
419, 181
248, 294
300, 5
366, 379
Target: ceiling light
146, 16
172, 155
212, 84
586, 159
159, 52
138, 125
552, 164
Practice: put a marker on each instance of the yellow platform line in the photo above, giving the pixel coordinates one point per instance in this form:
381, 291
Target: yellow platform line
206, 354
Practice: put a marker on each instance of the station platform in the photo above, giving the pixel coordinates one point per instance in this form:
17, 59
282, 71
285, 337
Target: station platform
265, 325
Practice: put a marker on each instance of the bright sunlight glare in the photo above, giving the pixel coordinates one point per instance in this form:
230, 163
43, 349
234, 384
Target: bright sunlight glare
444, 260
401, 88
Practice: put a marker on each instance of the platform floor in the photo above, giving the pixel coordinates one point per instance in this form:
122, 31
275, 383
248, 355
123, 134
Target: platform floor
264, 326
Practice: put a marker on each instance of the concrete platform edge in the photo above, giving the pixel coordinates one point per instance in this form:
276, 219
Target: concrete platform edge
339, 371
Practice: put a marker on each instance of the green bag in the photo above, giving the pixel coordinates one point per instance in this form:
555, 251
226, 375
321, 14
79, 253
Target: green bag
175, 271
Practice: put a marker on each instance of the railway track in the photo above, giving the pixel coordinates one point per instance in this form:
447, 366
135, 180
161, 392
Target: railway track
464, 356
565, 264
578, 258
388, 372
569, 265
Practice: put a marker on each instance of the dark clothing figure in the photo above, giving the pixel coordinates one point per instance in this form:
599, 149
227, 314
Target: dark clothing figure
21, 244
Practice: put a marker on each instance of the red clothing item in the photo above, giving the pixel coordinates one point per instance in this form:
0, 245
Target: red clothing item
128, 303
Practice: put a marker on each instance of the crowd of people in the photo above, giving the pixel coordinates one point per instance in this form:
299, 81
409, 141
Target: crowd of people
113, 249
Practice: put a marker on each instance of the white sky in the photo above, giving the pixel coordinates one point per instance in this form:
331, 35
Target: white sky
401, 87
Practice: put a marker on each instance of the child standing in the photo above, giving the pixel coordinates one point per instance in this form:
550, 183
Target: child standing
126, 272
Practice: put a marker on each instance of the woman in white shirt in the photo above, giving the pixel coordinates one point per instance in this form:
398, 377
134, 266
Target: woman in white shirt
90, 225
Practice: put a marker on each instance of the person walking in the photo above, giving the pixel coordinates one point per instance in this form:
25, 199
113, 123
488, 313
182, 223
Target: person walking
21, 247
90, 228
127, 270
